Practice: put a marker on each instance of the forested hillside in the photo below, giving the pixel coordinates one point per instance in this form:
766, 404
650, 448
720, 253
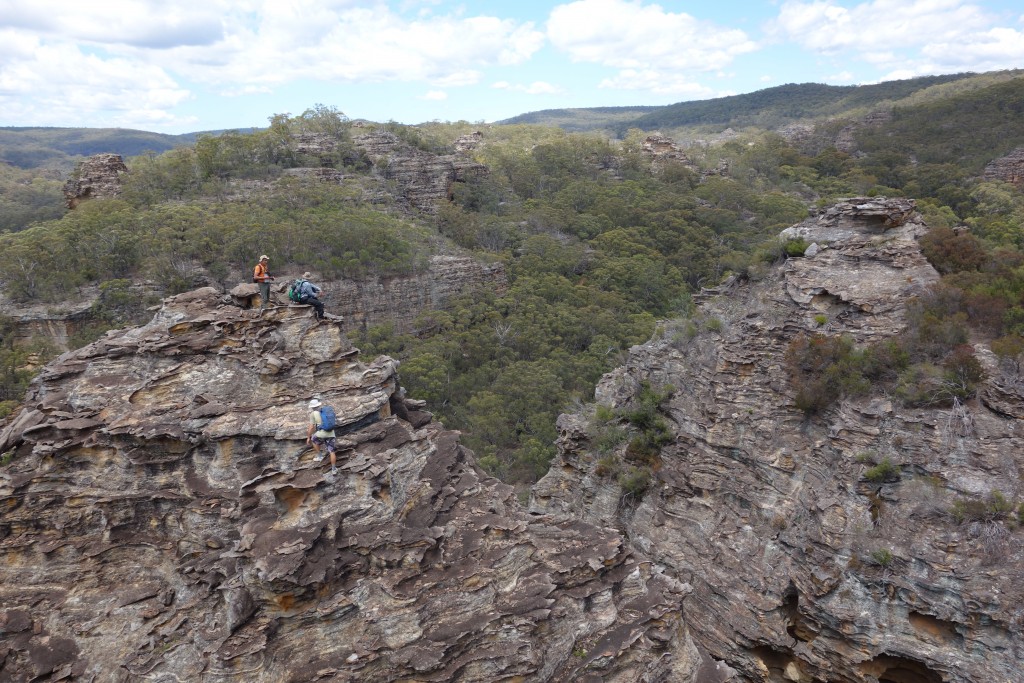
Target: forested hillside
599, 239
767, 109
59, 147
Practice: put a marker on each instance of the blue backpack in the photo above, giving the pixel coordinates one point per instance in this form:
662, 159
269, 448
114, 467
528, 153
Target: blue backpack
328, 419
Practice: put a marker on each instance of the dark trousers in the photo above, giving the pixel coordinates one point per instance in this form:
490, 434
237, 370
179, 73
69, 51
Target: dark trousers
315, 303
264, 294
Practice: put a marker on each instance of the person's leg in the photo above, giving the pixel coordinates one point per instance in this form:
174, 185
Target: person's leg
264, 294
332, 447
318, 307
316, 447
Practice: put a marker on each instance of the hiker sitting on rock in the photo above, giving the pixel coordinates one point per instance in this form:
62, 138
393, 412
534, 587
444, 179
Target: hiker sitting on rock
308, 293
316, 436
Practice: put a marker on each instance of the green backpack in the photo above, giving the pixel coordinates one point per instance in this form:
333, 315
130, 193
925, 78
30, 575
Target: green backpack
294, 289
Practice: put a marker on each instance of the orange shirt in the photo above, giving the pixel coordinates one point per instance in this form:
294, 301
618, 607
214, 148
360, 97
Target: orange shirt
259, 273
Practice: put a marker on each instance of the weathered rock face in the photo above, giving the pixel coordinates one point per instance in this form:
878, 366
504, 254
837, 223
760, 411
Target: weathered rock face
397, 300
846, 140
98, 176
422, 179
662, 148
362, 303
162, 522
1009, 169
802, 569
400, 300
464, 144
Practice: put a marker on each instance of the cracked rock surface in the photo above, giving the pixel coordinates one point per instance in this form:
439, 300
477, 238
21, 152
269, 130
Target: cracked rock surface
162, 521
803, 569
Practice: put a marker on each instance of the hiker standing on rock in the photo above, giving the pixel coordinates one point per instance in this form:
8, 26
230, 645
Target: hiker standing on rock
308, 293
316, 436
261, 276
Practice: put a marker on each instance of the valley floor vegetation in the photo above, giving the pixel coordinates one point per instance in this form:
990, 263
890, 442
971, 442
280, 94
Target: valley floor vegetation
597, 240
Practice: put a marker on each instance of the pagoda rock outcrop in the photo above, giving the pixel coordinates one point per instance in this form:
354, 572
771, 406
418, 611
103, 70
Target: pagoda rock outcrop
98, 176
422, 179
1009, 168
162, 520
807, 566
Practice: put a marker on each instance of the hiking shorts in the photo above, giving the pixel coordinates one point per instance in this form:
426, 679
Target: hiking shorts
329, 442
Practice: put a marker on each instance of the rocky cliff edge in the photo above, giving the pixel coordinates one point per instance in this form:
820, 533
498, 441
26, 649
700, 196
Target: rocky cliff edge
804, 567
161, 521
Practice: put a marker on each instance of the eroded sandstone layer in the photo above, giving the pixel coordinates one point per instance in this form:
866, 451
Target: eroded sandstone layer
162, 522
804, 570
99, 176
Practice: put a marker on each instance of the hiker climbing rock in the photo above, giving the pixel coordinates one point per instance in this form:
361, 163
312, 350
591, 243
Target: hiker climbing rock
321, 431
262, 276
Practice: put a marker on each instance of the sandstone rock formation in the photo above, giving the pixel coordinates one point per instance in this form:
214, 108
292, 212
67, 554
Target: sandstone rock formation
162, 522
362, 303
98, 176
663, 148
846, 139
422, 179
395, 300
464, 144
1009, 168
803, 569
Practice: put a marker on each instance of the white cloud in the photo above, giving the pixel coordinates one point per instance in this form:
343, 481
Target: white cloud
246, 90
908, 37
652, 49
841, 77
435, 95
626, 34
136, 50
535, 88
659, 82
60, 82
458, 79
998, 48
362, 44
143, 23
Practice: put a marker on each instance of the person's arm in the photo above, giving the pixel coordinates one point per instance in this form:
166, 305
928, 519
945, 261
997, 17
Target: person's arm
312, 428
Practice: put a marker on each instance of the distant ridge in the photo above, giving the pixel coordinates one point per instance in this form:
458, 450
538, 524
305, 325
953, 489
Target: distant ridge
35, 146
580, 119
768, 108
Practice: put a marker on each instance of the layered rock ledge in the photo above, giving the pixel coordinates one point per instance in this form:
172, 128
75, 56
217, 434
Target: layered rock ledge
162, 521
804, 569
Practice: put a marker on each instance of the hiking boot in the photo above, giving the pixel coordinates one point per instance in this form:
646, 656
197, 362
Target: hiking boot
318, 457
334, 471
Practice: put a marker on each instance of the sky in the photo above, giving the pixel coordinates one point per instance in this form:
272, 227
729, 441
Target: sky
177, 66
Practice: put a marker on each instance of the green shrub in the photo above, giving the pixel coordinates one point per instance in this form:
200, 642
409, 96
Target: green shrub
993, 508
713, 325
950, 252
820, 319
635, 481
822, 369
8, 407
795, 247
607, 438
885, 471
928, 385
607, 466
882, 557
